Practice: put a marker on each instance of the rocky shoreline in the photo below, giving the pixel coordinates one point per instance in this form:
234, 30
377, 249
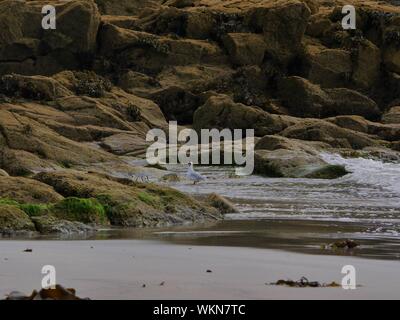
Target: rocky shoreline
76, 102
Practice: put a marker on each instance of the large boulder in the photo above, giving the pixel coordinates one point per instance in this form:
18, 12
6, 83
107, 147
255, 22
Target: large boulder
283, 24
351, 102
26, 48
221, 112
295, 164
245, 48
306, 99
328, 67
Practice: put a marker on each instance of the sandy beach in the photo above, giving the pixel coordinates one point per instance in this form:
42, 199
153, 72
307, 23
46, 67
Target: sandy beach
119, 269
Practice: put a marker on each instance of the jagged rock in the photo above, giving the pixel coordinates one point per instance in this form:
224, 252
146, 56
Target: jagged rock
245, 48
328, 67
13, 219
295, 164
221, 112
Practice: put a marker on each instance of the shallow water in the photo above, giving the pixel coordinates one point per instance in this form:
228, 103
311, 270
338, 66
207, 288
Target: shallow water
304, 214
301, 215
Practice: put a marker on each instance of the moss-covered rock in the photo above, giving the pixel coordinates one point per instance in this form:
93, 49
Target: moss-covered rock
82, 210
130, 203
13, 219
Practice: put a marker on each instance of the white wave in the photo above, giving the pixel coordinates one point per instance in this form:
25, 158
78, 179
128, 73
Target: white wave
368, 171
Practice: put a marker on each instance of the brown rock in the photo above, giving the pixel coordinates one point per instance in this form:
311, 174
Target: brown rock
245, 48
308, 100
283, 25
221, 112
319, 130
328, 67
294, 164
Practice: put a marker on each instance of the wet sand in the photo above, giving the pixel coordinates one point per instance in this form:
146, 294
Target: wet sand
118, 269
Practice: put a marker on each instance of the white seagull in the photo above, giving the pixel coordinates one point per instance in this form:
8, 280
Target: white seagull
193, 175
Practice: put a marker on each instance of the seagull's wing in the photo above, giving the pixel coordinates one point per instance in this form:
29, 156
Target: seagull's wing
197, 176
